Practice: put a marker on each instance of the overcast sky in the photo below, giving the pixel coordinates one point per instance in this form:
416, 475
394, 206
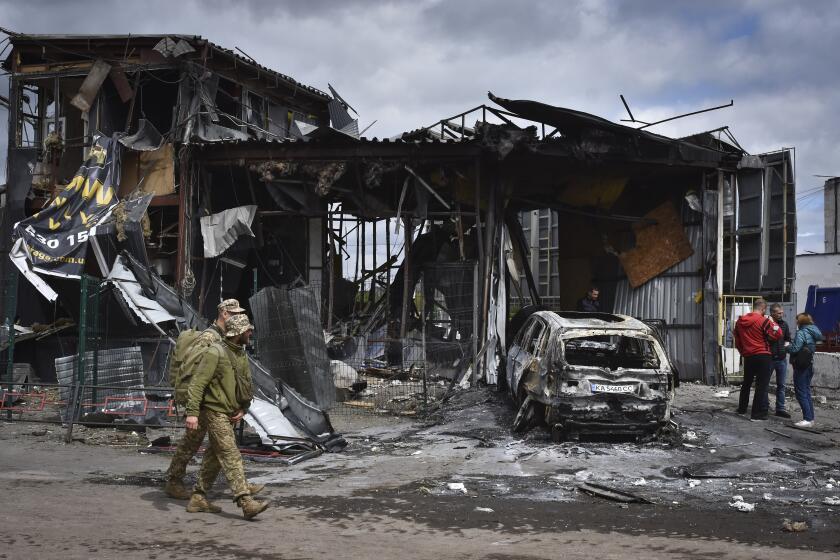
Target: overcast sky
408, 64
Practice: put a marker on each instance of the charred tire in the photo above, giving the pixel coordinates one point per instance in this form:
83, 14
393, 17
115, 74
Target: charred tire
530, 414
524, 419
558, 433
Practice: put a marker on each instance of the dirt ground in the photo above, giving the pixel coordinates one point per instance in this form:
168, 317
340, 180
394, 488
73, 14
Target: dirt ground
394, 491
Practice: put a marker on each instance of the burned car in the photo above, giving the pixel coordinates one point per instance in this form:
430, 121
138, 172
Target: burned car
593, 373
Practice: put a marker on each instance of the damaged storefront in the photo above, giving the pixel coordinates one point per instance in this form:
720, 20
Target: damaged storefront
380, 274
98, 259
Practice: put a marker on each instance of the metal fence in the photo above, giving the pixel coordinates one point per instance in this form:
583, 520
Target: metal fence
106, 381
8, 375
731, 307
99, 385
380, 371
98, 405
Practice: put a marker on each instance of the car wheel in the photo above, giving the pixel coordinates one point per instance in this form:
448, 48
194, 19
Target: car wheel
524, 419
530, 414
558, 433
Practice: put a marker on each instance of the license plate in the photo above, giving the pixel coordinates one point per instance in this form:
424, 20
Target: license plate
599, 388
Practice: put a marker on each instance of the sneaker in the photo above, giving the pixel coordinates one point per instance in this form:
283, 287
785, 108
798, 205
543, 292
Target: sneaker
199, 504
175, 489
782, 414
758, 418
739, 411
805, 424
251, 507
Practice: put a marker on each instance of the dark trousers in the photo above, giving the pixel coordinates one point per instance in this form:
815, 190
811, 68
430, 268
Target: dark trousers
780, 367
757, 369
802, 387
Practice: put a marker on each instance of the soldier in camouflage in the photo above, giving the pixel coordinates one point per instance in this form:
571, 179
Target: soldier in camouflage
191, 442
218, 398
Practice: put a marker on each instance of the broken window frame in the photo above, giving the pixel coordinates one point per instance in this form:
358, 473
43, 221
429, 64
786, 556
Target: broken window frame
531, 339
277, 128
308, 118
229, 106
40, 119
254, 113
658, 351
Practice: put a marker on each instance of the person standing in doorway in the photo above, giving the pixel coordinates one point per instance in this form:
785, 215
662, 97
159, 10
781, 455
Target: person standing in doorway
802, 351
590, 302
754, 333
779, 358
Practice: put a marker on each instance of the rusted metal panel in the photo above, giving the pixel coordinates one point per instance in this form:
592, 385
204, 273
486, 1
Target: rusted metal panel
155, 168
121, 83
658, 247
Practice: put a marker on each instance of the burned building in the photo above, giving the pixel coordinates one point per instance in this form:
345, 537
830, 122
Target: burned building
158, 94
232, 180
745, 246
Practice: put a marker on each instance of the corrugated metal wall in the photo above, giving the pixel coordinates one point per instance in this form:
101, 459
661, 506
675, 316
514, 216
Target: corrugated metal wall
120, 369
290, 340
671, 297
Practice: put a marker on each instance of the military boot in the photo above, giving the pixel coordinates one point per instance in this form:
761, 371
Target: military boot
175, 489
199, 504
256, 488
251, 507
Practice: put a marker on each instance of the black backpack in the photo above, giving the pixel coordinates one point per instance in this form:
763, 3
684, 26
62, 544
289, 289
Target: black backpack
804, 358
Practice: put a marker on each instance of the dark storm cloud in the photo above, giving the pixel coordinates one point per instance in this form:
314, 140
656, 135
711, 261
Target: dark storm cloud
499, 25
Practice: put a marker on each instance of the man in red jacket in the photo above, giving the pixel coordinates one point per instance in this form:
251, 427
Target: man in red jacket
754, 334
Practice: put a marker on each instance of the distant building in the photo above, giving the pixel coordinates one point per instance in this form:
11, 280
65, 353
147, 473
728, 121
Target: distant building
831, 206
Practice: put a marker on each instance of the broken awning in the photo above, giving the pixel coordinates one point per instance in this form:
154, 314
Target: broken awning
147, 310
19, 259
221, 230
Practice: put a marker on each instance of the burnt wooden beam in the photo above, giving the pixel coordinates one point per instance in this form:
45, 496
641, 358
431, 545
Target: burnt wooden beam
227, 152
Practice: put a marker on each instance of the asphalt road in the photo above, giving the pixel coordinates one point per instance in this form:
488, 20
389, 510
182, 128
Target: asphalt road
388, 494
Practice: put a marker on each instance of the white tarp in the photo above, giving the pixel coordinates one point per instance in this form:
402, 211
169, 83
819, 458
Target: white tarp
731, 360
344, 374
148, 310
221, 230
272, 425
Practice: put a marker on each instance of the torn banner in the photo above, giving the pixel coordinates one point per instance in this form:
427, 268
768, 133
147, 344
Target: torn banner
221, 230
55, 240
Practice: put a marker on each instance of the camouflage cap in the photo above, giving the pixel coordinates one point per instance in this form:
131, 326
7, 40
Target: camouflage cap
237, 325
231, 306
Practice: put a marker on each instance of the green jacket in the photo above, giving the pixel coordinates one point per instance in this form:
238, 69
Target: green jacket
210, 335
221, 380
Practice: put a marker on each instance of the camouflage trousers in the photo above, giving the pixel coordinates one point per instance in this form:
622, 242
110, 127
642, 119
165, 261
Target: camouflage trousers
222, 454
186, 450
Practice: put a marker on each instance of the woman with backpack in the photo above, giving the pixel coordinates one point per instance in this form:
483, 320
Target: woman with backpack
802, 358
